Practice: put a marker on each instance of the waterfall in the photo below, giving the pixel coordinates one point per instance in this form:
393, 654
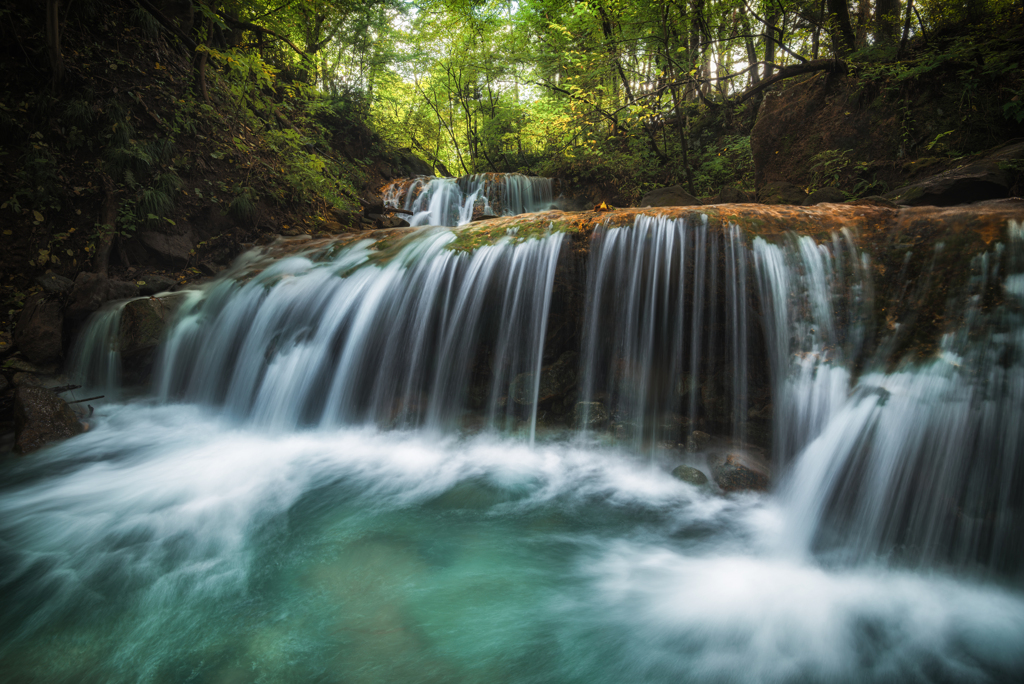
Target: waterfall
924, 465
95, 357
400, 341
653, 331
458, 201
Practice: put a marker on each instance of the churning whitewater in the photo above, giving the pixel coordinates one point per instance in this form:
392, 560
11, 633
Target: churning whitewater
352, 466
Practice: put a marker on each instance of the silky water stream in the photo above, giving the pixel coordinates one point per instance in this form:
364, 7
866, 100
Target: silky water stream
327, 482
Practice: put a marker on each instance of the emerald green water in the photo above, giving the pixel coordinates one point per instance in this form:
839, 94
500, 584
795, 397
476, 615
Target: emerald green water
169, 545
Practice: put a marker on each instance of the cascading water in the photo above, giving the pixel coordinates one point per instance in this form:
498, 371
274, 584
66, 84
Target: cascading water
260, 517
457, 201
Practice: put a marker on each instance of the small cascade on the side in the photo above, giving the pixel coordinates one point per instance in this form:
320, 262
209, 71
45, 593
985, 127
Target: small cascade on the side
665, 348
95, 359
816, 300
458, 201
925, 465
414, 337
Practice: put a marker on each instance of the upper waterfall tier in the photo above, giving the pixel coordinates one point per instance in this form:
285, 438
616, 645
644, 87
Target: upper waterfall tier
457, 201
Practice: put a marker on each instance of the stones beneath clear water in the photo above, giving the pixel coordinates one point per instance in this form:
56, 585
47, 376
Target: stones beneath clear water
740, 470
690, 475
41, 418
555, 380
589, 415
40, 330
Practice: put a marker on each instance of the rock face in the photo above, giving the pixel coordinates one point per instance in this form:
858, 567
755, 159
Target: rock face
782, 192
40, 418
143, 322
40, 330
672, 196
697, 440
740, 470
690, 475
555, 380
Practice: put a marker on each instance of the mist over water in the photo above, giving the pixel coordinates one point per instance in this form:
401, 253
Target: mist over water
306, 496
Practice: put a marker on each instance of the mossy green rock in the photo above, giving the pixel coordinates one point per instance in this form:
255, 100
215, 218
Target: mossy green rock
690, 475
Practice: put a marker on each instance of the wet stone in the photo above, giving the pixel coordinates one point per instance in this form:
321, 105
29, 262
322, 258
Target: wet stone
739, 471
690, 475
40, 418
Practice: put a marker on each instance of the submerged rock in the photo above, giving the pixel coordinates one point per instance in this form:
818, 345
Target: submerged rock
741, 470
40, 418
40, 331
555, 380
690, 475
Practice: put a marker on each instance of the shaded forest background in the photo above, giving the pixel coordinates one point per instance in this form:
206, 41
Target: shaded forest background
157, 138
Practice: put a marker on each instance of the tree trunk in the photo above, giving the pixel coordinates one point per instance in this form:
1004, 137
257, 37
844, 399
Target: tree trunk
53, 42
108, 226
840, 28
887, 21
769, 45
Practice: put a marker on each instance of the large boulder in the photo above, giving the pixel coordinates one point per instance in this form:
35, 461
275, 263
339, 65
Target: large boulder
40, 330
985, 178
153, 283
740, 470
690, 475
92, 290
40, 418
405, 164
555, 380
672, 196
143, 322
168, 249
54, 284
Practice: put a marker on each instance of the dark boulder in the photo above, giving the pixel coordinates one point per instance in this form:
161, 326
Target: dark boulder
92, 290
781, 192
555, 380
40, 418
405, 164
974, 182
822, 195
672, 196
54, 284
741, 470
143, 322
88, 294
40, 330
154, 283
168, 250
690, 475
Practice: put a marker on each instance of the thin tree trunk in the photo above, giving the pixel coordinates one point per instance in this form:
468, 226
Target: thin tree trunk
53, 42
108, 223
